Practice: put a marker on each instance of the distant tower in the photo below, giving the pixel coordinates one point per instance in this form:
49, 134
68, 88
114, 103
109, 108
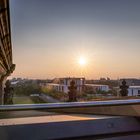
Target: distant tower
124, 89
72, 92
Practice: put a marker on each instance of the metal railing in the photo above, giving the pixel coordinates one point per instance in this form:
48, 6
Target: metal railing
113, 107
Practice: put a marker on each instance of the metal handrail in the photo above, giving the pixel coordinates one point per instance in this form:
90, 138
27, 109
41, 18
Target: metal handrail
69, 105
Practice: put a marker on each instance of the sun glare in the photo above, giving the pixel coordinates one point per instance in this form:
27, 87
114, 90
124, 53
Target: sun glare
82, 61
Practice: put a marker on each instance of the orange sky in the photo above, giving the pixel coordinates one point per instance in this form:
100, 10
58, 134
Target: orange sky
49, 37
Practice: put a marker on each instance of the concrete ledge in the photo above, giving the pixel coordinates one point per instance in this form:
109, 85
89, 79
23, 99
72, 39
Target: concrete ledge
67, 128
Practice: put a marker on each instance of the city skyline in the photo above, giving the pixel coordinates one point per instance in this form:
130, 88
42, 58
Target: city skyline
49, 37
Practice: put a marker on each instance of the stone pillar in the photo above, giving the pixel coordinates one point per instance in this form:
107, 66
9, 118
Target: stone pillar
2, 84
8, 93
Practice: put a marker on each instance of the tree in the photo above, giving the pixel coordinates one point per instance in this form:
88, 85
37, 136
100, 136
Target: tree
72, 91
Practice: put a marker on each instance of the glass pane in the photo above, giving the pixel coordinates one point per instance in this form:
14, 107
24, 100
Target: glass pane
74, 50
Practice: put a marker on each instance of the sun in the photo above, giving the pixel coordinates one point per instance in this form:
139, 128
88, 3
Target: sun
82, 61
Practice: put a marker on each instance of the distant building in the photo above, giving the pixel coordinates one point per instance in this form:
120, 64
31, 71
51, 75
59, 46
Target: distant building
62, 84
57, 87
96, 87
134, 86
134, 91
131, 81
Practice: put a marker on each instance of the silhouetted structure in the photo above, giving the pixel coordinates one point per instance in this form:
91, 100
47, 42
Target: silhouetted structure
124, 89
8, 93
6, 62
72, 91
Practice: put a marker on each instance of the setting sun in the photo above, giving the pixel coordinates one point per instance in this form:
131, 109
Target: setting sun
82, 61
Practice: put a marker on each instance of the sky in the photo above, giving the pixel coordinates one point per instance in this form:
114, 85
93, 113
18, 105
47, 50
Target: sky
50, 36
